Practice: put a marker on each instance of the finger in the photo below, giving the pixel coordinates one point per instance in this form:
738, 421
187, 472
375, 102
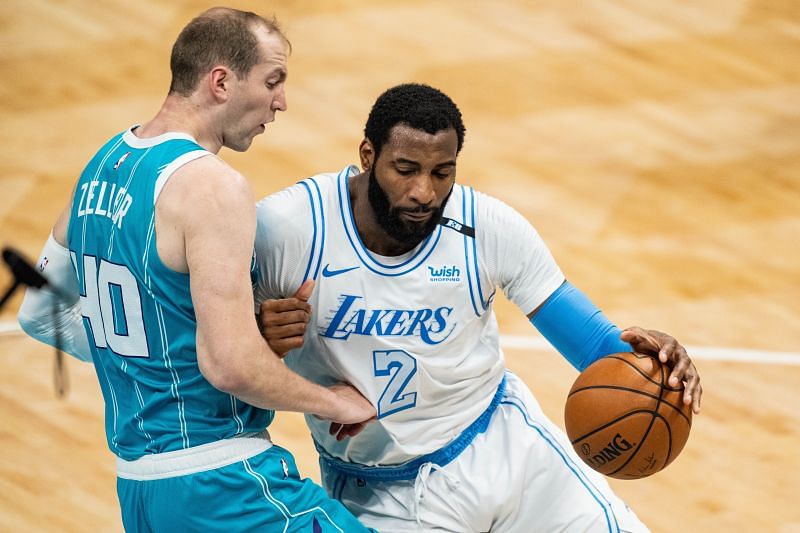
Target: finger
680, 372
272, 320
355, 429
639, 339
692, 390
285, 305
290, 343
669, 352
681, 366
631, 335
283, 332
343, 432
284, 346
649, 342
305, 290
696, 397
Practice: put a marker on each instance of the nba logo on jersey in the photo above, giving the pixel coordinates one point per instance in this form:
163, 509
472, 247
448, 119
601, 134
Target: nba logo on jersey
121, 160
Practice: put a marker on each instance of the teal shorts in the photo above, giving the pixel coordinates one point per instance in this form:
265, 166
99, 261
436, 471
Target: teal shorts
261, 493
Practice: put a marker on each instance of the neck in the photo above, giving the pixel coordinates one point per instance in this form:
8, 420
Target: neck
372, 234
183, 114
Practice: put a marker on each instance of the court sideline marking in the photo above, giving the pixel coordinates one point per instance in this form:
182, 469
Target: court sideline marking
531, 342
709, 353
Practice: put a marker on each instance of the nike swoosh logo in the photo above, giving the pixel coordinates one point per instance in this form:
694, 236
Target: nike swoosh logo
326, 272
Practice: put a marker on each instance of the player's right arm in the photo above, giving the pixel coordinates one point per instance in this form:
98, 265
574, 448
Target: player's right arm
283, 321
52, 314
285, 254
218, 222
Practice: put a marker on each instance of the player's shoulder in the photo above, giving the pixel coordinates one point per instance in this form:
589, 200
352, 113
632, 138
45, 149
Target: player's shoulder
304, 196
291, 213
212, 169
209, 179
479, 206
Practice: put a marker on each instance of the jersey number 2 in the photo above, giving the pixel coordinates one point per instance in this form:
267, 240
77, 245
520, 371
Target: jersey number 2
401, 367
113, 306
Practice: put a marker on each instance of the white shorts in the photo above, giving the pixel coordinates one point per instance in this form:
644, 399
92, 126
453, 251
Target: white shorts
520, 475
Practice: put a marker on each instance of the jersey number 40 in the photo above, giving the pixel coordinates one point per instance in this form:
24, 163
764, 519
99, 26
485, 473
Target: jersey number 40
112, 303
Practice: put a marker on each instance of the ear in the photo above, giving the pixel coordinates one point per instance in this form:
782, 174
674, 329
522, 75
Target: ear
367, 155
219, 82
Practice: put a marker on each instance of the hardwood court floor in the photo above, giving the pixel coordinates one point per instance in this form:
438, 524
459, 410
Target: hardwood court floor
654, 145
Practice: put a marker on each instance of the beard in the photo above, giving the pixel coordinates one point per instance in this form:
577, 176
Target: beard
406, 232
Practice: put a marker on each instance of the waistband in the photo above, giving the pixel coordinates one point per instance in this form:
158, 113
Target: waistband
410, 469
195, 459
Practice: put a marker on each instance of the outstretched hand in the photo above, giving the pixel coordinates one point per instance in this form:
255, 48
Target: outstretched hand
669, 351
283, 322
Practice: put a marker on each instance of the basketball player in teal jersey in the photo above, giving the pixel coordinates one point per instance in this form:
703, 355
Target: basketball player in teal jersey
160, 233
405, 264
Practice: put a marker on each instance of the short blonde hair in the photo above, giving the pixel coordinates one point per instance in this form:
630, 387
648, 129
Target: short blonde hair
220, 35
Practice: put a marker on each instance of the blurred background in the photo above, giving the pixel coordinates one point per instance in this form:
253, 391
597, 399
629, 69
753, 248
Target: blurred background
654, 145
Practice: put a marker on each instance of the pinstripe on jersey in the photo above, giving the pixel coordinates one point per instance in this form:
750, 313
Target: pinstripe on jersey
138, 312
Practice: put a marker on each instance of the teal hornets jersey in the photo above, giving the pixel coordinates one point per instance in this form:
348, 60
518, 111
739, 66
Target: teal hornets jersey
137, 312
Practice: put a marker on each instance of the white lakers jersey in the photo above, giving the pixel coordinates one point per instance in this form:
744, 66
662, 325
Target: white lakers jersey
415, 333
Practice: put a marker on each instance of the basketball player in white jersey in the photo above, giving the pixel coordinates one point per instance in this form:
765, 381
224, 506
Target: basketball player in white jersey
160, 234
385, 279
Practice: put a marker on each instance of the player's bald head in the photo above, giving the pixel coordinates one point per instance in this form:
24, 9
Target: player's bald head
218, 36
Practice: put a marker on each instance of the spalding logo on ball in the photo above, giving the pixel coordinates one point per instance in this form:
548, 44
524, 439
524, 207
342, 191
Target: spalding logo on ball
623, 418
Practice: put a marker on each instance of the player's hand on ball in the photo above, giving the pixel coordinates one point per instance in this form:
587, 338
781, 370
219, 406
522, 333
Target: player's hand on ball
283, 322
671, 352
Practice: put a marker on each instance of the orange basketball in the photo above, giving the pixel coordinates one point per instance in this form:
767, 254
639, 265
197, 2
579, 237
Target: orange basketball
623, 418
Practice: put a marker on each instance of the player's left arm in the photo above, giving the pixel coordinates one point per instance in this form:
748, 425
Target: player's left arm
526, 271
582, 333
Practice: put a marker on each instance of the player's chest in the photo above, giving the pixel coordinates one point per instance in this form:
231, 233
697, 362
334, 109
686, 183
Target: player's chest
426, 299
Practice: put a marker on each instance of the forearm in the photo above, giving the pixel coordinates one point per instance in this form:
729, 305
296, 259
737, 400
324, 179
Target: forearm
61, 327
250, 371
275, 386
219, 248
577, 328
52, 314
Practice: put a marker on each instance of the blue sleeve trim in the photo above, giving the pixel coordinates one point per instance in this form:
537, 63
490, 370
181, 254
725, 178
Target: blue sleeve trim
466, 251
317, 241
577, 328
485, 305
322, 226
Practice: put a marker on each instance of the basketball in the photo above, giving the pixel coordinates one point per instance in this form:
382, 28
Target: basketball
623, 418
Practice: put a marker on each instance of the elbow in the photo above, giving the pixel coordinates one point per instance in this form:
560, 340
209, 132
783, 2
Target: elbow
30, 326
223, 373
34, 317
